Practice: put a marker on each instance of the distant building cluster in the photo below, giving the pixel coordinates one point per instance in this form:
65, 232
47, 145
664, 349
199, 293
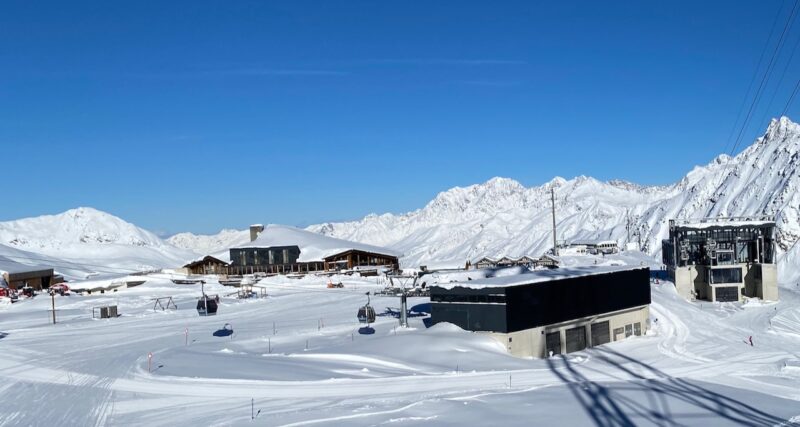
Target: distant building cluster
524, 261
589, 247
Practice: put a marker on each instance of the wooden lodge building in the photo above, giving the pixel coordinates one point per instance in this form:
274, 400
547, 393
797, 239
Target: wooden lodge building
207, 265
19, 275
283, 250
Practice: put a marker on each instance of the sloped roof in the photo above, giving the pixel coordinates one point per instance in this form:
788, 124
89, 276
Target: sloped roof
12, 267
313, 246
206, 259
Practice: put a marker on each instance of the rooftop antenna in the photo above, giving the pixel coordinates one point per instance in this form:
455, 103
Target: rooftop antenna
553, 200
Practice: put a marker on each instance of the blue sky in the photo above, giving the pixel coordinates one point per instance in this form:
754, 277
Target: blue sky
194, 116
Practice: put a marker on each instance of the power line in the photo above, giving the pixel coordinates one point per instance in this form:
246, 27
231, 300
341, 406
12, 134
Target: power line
787, 26
791, 98
767, 72
755, 75
780, 81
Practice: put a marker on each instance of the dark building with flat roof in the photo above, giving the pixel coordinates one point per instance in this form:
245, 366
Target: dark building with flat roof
535, 313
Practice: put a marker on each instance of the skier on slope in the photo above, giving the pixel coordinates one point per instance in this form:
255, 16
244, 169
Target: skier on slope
751, 340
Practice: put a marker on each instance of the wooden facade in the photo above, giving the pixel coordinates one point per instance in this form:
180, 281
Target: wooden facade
37, 279
347, 260
207, 265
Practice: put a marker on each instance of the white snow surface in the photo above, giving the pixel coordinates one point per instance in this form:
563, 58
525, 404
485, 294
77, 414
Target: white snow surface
298, 357
313, 246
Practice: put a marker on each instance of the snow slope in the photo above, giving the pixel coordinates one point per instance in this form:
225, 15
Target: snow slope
298, 359
84, 240
211, 244
502, 217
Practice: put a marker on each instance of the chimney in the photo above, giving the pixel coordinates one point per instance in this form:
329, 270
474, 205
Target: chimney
255, 229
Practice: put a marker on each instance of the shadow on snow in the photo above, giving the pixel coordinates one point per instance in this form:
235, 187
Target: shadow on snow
608, 406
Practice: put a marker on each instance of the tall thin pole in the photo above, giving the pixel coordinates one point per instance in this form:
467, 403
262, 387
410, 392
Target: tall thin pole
628, 224
53, 302
553, 200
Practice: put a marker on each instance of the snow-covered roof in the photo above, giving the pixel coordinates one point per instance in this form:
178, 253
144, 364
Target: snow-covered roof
12, 267
538, 276
313, 246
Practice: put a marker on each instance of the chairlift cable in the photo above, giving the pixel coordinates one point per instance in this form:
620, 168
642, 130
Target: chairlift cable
753, 78
787, 26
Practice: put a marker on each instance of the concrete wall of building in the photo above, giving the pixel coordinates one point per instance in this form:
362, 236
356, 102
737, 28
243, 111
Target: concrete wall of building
684, 278
531, 342
769, 282
759, 280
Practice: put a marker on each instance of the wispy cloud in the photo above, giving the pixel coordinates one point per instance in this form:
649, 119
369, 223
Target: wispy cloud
274, 72
490, 83
445, 61
241, 72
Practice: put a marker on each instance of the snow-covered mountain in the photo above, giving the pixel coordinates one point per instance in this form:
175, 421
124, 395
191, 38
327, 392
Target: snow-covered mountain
498, 217
87, 240
502, 217
216, 244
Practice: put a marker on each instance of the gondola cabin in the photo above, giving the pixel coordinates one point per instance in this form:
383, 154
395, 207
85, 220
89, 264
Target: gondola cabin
207, 306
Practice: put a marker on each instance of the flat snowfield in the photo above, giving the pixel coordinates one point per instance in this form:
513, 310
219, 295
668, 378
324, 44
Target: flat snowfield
296, 357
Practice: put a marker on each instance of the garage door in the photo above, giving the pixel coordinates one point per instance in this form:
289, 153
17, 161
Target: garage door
600, 333
727, 293
576, 339
553, 343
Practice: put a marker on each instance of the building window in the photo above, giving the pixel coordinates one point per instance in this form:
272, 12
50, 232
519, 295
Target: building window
726, 275
725, 257
637, 329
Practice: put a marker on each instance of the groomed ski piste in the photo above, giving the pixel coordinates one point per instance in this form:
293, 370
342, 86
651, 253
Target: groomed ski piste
296, 357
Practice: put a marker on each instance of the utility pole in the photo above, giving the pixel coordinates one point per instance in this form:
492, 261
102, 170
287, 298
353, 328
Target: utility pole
553, 200
628, 224
403, 310
53, 302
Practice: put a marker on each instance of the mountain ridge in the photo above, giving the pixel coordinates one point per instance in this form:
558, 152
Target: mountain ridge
503, 217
